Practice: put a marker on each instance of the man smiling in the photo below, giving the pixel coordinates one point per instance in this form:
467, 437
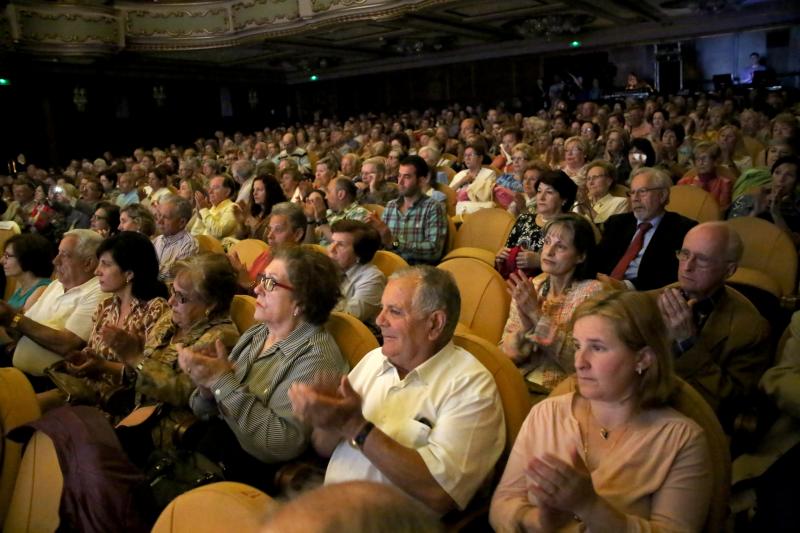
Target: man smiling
419, 413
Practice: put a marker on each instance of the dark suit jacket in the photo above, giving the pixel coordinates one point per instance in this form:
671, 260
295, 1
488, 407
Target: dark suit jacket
658, 266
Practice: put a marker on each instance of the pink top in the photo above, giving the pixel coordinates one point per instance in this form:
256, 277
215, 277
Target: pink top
719, 187
658, 473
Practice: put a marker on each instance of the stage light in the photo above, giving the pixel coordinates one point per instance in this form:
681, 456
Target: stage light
5, 81
575, 44
313, 77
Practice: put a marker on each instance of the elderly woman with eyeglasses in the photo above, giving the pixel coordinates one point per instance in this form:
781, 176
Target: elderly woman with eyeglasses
244, 395
707, 175
594, 197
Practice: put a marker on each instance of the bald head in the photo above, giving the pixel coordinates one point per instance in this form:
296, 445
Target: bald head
710, 255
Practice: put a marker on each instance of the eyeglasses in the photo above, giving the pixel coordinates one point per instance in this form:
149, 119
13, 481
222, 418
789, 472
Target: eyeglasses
643, 191
701, 261
7, 255
269, 283
179, 296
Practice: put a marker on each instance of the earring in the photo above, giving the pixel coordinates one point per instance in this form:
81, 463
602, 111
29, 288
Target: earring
639, 370
295, 312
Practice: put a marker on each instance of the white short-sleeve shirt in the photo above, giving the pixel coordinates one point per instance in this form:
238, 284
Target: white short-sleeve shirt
71, 310
448, 409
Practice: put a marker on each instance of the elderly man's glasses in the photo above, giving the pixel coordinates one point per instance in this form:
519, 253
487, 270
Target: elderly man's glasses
269, 283
700, 261
642, 191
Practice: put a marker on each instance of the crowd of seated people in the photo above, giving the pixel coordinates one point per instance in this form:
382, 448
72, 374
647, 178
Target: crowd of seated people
605, 281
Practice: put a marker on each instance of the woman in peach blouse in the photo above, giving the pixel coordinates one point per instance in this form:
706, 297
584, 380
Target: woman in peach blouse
612, 456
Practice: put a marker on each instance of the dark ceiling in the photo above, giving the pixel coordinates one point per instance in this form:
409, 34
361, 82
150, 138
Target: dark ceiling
436, 32
459, 30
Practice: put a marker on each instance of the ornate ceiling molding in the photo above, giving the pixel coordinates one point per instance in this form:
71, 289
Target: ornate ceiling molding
136, 26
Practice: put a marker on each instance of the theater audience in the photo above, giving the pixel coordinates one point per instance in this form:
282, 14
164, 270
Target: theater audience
353, 245
616, 152
779, 203
342, 205
753, 178
373, 188
764, 478
613, 455
414, 225
105, 219
709, 175
594, 198
640, 155
555, 193
286, 227
173, 243
575, 151
216, 215
638, 248
157, 180
326, 169
127, 269
265, 193
474, 184
28, 260
536, 334
61, 320
198, 316
720, 341
419, 413
136, 217
510, 184
244, 395
733, 153
20, 209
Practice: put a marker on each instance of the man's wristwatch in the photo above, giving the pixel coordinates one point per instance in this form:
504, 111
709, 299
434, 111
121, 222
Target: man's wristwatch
361, 437
16, 319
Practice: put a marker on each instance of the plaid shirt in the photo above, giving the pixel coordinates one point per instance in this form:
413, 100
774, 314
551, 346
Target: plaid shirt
420, 232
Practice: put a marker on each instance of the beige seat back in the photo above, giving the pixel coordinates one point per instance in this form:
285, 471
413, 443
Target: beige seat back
18, 406
768, 253
37, 493
485, 301
243, 307
223, 506
510, 385
693, 202
388, 262
207, 243
485, 228
354, 339
249, 250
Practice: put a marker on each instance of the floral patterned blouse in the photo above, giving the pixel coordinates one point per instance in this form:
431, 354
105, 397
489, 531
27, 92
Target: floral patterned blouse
526, 233
159, 377
142, 317
551, 352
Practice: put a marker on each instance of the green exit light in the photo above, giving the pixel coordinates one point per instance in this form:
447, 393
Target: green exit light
575, 44
313, 77
5, 81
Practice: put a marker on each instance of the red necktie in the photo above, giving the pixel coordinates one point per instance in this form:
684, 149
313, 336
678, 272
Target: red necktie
632, 252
